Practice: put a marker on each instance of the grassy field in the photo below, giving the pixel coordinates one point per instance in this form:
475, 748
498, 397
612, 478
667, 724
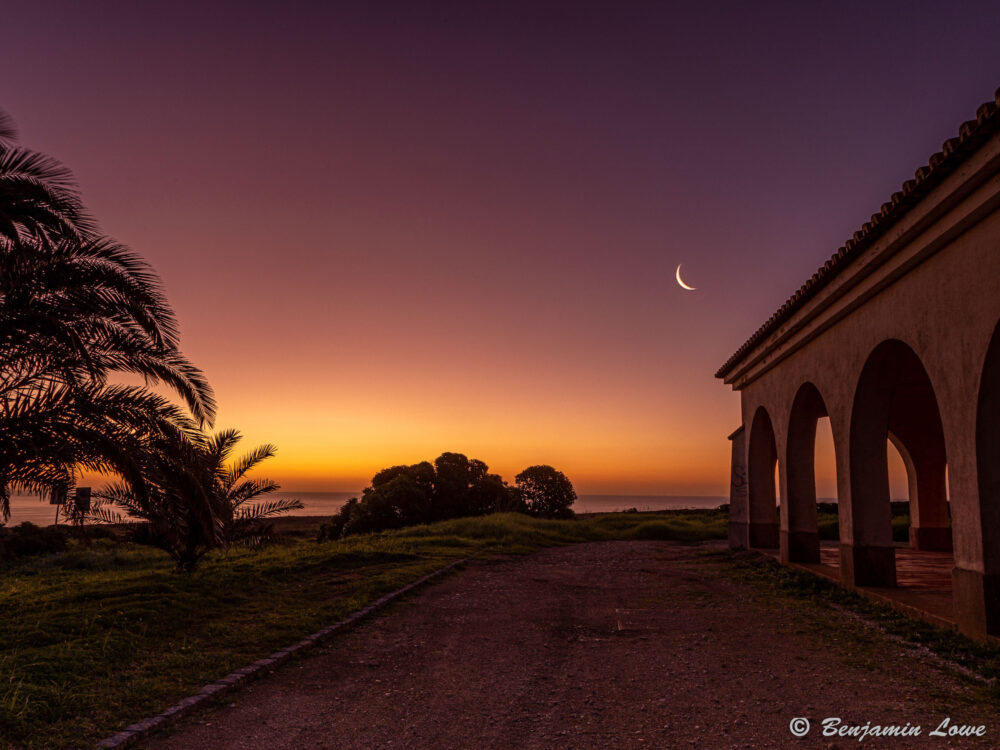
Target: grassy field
829, 527
791, 585
97, 637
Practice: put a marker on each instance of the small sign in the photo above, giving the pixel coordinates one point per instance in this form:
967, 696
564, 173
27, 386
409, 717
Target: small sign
57, 496
82, 500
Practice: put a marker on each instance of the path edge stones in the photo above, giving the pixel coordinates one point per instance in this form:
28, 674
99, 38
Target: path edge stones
141, 730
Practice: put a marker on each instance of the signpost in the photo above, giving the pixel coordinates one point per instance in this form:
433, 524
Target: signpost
57, 497
78, 509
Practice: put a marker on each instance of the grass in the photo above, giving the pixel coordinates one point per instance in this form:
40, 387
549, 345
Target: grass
829, 527
789, 584
94, 638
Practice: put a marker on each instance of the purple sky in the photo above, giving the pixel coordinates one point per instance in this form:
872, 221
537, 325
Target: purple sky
395, 229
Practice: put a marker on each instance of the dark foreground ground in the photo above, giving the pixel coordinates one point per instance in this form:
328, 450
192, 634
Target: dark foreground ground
602, 645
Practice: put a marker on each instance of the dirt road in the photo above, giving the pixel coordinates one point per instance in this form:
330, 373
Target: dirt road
611, 645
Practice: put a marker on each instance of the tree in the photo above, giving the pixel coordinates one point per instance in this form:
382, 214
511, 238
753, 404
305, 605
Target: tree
49, 434
191, 500
76, 308
72, 314
401, 496
38, 196
451, 487
232, 492
455, 475
546, 492
173, 501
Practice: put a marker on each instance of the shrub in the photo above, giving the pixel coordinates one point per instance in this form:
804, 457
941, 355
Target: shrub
28, 539
454, 486
546, 492
194, 499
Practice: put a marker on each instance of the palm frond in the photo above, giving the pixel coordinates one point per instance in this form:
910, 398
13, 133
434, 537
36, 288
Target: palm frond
239, 469
269, 509
8, 130
250, 489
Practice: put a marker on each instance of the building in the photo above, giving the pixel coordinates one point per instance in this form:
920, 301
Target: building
895, 339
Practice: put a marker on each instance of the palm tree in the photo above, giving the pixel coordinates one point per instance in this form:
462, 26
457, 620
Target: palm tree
52, 432
38, 196
233, 493
182, 478
72, 315
172, 499
8, 131
75, 310
79, 310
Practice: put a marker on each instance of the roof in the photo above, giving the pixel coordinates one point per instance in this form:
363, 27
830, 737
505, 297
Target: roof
971, 135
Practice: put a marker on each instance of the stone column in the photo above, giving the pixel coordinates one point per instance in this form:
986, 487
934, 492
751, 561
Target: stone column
762, 458
739, 496
799, 526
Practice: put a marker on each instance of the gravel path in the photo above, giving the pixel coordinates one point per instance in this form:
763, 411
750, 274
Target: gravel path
609, 645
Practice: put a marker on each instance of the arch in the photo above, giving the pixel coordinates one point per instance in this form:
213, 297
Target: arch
988, 478
894, 397
799, 530
762, 458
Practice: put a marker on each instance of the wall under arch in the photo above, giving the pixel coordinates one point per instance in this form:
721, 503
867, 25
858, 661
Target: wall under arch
762, 456
799, 531
984, 586
894, 396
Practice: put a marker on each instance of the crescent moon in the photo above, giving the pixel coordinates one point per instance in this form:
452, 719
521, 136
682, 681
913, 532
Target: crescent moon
681, 281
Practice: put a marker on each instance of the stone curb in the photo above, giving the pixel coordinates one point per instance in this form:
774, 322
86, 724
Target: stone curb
142, 729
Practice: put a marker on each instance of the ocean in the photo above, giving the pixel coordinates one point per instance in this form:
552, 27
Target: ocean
30, 508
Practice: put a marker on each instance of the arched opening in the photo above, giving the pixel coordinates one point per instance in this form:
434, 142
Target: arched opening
988, 475
799, 525
894, 401
762, 459
827, 495
902, 487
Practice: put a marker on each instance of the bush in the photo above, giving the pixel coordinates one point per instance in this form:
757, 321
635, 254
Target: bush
546, 492
334, 528
194, 498
28, 539
452, 487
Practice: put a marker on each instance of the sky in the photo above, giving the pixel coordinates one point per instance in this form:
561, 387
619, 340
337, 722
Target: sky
395, 229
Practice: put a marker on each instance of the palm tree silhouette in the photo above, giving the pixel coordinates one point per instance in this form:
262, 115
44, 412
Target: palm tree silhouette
77, 309
185, 474
52, 432
38, 195
234, 493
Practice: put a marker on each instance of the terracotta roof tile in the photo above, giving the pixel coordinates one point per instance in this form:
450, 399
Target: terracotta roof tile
971, 135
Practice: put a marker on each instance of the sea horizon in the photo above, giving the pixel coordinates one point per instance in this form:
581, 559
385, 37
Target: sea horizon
39, 512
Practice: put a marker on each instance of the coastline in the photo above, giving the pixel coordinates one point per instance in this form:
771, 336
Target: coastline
325, 504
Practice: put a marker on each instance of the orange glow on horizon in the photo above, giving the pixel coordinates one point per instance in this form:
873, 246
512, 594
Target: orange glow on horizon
454, 236
341, 449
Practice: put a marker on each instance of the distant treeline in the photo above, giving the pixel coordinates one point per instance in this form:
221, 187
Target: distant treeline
451, 487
